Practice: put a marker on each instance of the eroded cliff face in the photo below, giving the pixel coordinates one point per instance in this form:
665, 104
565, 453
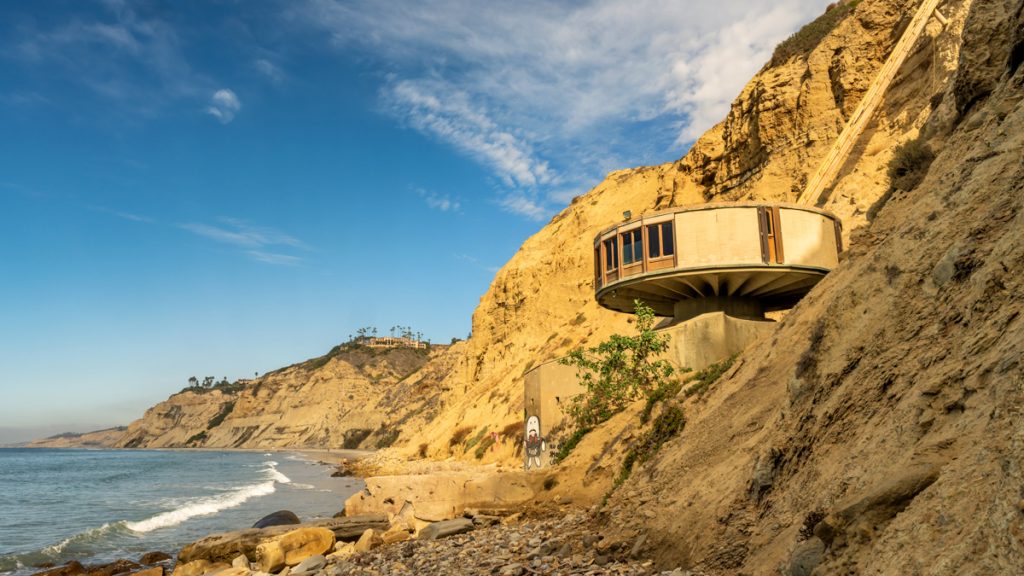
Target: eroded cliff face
879, 431
541, 302
344, 399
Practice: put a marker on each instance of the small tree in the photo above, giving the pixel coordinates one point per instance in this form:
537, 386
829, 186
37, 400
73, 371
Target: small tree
618, 371
193, 382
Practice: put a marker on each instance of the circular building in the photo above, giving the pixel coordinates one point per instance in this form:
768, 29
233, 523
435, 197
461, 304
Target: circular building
742, 259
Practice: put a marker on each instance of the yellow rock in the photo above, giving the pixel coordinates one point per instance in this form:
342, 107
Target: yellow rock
343, 550
269, 556
305, 542
198, 568
368, 541
231, 571
393, 536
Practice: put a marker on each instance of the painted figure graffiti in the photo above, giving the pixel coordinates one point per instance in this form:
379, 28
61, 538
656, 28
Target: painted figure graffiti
535, 444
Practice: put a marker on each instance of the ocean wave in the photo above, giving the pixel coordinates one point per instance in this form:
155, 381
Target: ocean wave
203, 507
212, 505
276, 474
86, 537
301, 486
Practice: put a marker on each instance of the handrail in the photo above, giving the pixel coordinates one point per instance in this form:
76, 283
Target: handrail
836, 157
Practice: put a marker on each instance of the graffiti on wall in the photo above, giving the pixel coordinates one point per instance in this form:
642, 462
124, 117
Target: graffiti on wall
534, 442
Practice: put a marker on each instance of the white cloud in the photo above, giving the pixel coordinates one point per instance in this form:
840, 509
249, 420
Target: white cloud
441, 202
257, 241
267, 68
224, 104
554, 95
273, 258
519, 204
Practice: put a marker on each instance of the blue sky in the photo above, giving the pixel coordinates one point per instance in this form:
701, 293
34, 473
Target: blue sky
222, 188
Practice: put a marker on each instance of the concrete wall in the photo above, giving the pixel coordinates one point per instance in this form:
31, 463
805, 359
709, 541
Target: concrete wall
716, 237
808, 239
709, 338
547, 390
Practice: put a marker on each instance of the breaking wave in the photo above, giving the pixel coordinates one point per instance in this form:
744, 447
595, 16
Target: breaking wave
213, 504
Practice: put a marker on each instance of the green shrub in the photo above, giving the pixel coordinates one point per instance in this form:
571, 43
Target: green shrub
473, 441
458, 436
571, 443
705, 378
803, 41
666, 426
388, 436
484, 446
907, 167
618, 371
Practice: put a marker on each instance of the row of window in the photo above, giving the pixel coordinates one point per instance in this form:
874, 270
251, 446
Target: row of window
660, 243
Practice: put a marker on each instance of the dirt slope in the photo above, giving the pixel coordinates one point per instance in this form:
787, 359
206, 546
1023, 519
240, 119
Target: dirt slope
883, 420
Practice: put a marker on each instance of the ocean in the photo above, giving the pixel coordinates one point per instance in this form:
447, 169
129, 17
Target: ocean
100, 505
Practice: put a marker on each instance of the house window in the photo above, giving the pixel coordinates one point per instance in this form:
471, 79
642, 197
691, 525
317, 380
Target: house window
611, 254
632, 247
771, 235
660, 241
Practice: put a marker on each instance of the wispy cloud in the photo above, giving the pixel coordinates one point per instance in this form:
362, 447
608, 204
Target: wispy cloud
124, 215
272, 258
133, 59
441, 202
224, 104
524, 206
552, 95
269, 70
257, 241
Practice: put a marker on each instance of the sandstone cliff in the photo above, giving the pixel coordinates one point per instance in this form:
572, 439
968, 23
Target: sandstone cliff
541, 303
879, 430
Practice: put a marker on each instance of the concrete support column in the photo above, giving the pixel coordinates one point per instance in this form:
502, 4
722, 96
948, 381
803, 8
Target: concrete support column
736, 307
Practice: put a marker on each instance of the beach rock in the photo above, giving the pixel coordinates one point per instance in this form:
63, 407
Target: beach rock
368, 541
230, 571
446, 528
198, 568
395, 536
310, 565
240, 561
269, 557
116, 567
226, 546
279, 518
342, 550
154, 571
305, 542
72, 568
153, 558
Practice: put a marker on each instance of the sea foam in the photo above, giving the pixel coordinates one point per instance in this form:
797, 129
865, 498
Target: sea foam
214, 504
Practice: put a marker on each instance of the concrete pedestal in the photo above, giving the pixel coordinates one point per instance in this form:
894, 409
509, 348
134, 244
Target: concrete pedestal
703, 340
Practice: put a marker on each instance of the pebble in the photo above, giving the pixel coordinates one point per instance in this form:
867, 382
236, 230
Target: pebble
562, 546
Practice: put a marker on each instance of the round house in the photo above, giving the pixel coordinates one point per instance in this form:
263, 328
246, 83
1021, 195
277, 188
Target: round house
742, 259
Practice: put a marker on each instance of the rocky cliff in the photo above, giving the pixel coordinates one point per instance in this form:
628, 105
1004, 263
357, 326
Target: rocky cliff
879, 430
541, 302
349, 398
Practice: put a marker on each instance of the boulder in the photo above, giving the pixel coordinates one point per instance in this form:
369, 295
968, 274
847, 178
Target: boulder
279, 518
154, 571
305, 542
446, 528
153, 558
240, 561
395, 536
198, 567
342, 550
226, 546
231, 571
309, 565
269, 557
368, 541
116, 567
72, 568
